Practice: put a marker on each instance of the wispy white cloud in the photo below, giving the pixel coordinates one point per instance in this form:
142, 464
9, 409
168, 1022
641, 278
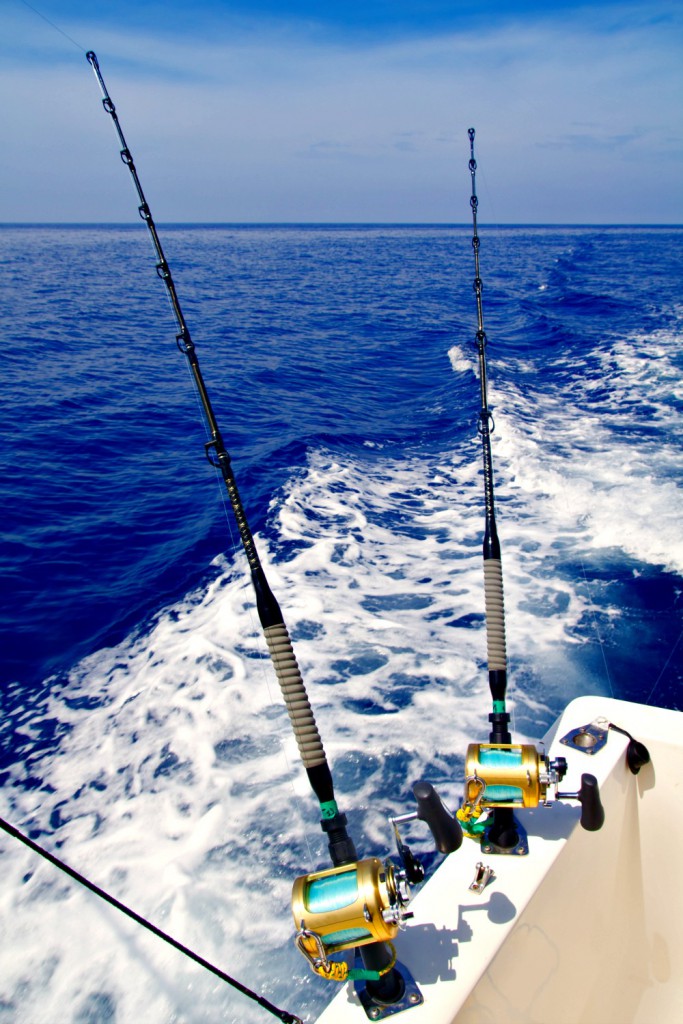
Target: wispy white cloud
600, 138
275, 124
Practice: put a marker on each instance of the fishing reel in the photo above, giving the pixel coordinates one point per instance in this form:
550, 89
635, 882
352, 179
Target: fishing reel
345, 907
517, 775
366, 901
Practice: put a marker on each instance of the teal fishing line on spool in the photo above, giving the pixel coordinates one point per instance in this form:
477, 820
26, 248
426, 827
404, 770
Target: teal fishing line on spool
346, 936
324, 895
503, 794
506, 759
500, 758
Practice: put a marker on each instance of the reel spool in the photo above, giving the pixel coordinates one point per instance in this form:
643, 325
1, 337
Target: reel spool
348, 906
509, 775
518, 775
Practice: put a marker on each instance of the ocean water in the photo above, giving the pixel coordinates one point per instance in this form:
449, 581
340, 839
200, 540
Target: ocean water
143, 736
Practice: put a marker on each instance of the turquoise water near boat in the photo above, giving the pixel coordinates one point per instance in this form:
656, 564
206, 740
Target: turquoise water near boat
142, 730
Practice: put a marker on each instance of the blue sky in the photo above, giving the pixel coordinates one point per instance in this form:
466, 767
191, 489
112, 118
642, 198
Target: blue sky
253, 110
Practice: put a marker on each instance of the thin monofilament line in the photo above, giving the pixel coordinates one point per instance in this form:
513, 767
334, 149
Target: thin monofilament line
596, 627
81, 49
666, 665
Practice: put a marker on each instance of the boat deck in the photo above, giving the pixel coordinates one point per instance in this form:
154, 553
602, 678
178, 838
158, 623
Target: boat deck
586, 929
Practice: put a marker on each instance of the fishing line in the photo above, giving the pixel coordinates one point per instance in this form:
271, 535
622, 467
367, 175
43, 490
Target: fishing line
666, 665
283, 1015
489, 194
598, 634
81, 49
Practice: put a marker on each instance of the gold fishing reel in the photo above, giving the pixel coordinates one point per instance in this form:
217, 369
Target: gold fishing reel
517, 775
509, 775
345, 907
365, 901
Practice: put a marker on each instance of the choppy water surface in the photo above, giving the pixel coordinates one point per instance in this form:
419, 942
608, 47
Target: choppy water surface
143, 735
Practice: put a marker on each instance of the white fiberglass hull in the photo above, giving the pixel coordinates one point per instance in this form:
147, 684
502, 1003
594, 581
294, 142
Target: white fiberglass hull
586, 929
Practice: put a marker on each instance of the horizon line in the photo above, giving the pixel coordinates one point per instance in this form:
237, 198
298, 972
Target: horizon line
340, 224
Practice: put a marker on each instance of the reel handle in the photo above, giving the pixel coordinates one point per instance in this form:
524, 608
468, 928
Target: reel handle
443, 826
592, 811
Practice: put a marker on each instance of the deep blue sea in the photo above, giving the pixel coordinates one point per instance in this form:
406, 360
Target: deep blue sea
143, 735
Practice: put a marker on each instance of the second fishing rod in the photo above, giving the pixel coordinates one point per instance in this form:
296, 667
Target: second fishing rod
503, 831
356, 904
502, 776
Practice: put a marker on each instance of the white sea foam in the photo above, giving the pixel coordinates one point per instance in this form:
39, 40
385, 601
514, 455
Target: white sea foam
462, 360
181, 792
593, 466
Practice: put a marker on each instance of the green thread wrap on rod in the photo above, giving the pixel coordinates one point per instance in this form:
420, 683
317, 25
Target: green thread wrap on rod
358, 974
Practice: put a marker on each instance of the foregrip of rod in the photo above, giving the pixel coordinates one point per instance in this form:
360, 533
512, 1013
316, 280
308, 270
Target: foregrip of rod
495, 615
294, 694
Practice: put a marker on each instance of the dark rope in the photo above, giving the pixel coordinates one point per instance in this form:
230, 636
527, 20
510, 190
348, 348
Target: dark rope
283, 1015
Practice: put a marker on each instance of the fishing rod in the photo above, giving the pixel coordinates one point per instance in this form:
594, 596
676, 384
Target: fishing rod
503, 832
357, 903
501, 776
270, 615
